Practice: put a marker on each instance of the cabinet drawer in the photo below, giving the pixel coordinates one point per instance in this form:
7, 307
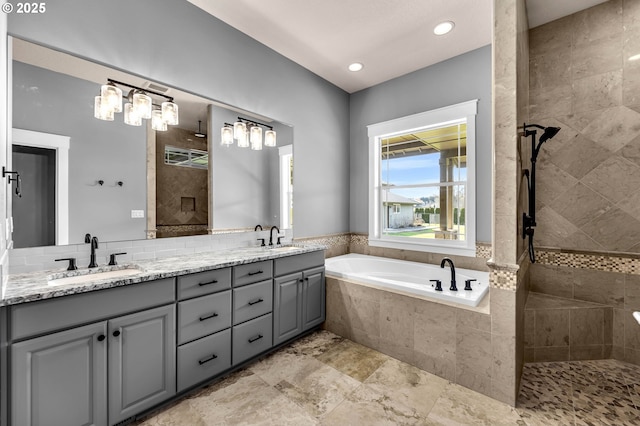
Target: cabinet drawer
203, 316
203, 359
290, 264
252, 272
252, 300
252, 338
203, 283
29, 319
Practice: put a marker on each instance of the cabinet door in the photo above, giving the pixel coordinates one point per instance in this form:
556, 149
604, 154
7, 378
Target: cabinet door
141, 361
287, 310
60, 379
313, 298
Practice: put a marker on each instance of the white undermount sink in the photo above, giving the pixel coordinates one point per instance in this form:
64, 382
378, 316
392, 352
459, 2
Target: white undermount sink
85, 277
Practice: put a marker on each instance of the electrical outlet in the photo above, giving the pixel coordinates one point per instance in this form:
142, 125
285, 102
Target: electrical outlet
137, 214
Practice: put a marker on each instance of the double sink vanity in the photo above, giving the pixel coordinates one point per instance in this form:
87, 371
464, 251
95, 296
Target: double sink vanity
105, 345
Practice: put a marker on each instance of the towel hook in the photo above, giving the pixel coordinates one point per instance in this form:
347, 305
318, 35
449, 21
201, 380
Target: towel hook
15, 178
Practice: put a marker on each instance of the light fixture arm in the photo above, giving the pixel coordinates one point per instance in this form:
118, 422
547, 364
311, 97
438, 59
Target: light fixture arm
251, 122
131, 86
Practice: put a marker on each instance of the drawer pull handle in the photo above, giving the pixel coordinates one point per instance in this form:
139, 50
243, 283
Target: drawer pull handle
256, 301
210, 358
255, 273
260, 336
208, 283
213, 315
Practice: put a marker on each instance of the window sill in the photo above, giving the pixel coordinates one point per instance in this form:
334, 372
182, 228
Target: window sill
459, 250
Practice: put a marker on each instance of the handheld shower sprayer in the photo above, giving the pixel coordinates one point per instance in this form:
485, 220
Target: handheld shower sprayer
529, 220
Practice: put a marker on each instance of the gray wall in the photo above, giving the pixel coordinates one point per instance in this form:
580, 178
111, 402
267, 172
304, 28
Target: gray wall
459, 79
201, 54
242, 179
50, 102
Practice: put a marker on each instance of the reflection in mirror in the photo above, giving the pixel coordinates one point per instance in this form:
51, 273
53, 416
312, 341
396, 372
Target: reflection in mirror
123, 182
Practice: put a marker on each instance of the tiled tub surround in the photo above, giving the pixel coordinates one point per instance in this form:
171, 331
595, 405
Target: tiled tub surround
453, 342
33, 286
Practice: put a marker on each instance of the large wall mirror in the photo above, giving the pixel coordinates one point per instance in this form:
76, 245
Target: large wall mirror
80, 174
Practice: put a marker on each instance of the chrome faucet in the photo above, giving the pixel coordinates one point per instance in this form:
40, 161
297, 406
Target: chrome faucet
446, 260
271, 235
94, 245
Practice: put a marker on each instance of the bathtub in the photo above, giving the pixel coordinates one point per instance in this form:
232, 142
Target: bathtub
409, 277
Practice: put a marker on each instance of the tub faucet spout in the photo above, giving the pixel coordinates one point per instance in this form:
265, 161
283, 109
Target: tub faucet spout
446, 260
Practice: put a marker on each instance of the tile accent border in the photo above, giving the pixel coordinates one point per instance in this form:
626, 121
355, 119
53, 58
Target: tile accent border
503, 279
608, 262
483, 250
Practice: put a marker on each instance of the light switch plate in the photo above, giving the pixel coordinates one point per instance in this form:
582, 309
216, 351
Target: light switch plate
137, 214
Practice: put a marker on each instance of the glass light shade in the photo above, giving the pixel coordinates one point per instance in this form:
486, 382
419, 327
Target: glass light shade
170, 113
270, 138
112, 96
256, 138
157, 123
130, 116
101, 110
142, 104
239, 129
243, 138
226, 136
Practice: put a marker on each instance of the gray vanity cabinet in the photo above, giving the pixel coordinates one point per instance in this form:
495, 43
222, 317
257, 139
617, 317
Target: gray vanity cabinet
313, 298
141, 361
299, 297
111, 348
60, 379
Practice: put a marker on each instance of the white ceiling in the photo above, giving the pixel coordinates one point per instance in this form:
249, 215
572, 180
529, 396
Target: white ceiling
390, 37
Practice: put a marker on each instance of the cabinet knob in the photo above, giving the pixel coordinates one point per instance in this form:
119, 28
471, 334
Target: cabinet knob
101, 337
116, 333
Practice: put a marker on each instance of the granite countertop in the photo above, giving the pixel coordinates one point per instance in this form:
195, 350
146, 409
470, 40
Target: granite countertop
22, 288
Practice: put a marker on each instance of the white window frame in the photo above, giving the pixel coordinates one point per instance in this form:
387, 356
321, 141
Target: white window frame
434, 118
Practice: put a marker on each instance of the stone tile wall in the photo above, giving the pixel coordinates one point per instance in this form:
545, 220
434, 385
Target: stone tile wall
611, 282
582, 80
451, 342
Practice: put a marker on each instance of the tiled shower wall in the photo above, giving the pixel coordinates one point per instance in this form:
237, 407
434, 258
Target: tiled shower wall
582, 80
588, 183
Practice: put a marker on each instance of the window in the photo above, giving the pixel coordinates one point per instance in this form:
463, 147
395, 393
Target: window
186, 157
286, 186
422, 181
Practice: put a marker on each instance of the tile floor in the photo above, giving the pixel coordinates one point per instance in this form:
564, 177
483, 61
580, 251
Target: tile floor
324, 379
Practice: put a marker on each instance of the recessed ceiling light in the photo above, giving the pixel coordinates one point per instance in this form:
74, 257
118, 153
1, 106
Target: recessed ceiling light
634, 57
356, 66
443, 28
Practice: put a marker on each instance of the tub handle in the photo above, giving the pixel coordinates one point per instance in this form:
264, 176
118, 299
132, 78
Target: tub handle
467, 284
438, 284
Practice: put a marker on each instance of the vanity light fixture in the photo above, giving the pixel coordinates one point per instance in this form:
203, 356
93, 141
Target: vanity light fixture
247, 137
443, 28
226, 135
634, 57
140, 105
199, 134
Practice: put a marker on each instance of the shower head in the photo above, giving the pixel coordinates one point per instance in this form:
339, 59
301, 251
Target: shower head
549, 132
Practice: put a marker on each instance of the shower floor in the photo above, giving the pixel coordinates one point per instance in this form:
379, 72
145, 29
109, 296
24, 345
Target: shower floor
324, 379
603, 392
